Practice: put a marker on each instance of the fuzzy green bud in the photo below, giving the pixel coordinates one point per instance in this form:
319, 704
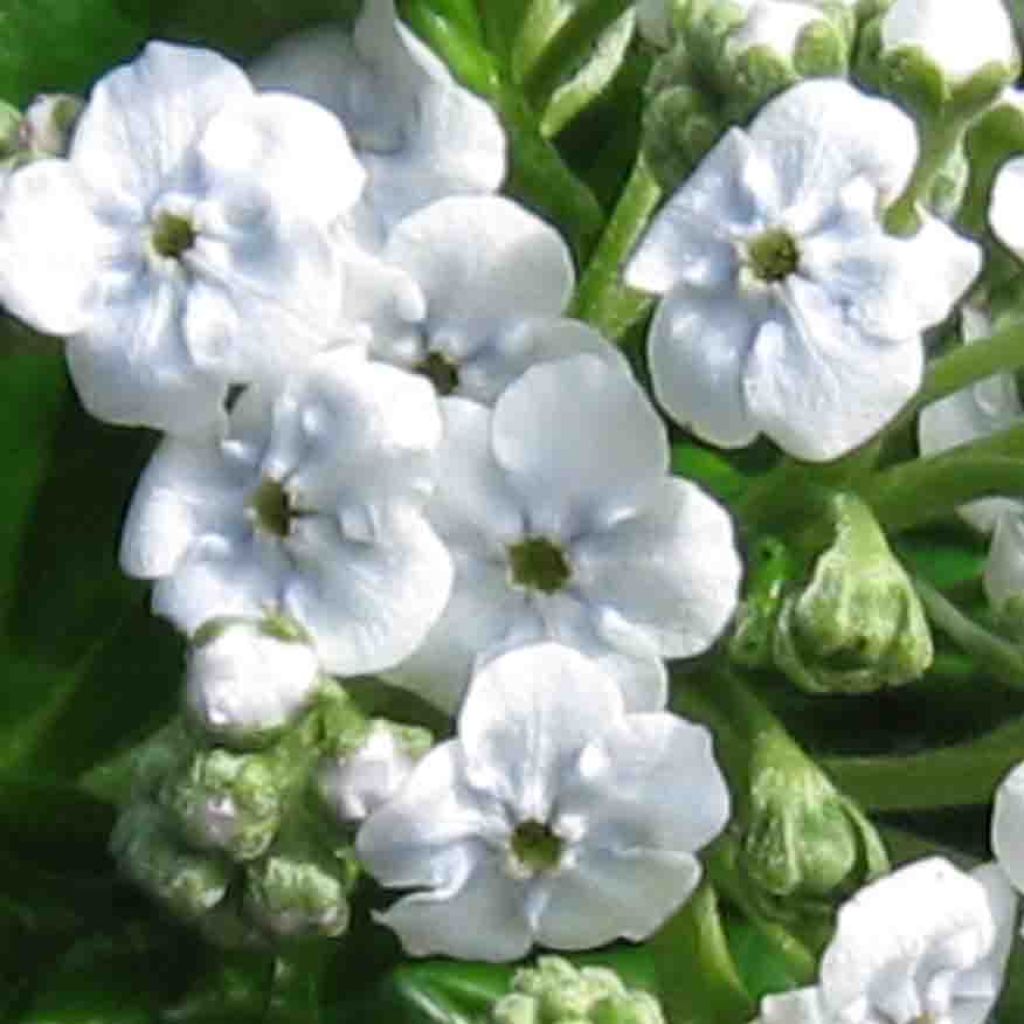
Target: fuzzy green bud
227, 801
804, 840
147, 851
556, 992
297, 890
858, 625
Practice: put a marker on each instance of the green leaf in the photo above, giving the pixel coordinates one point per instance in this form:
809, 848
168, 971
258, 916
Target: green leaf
762, 969
61, 45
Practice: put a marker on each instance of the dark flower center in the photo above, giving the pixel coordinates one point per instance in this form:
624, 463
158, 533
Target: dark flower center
440, 371
272, 508
773, 256
536, 847
172, 236
538, 564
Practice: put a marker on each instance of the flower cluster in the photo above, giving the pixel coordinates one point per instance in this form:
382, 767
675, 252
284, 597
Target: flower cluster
401, 462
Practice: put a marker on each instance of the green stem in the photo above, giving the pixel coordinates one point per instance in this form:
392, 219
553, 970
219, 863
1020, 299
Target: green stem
601, 298
924, 489
1003, 659
938, 139
962, 775
697, 977
965, 365
568, 47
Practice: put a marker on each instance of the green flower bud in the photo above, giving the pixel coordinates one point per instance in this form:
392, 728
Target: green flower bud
49, 124
804, 840
298, 890
146, 850
858, 625
227, 801
556, 992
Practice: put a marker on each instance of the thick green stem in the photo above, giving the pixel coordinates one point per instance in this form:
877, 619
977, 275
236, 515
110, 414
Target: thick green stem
1000, 657
697, 977
601, 298
568, 47
961, 775
925, 489
938, 140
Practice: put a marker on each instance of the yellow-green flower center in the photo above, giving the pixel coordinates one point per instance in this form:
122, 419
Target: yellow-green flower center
172, 236
440, 371
536, 847
538, 564
773, 255
272, 508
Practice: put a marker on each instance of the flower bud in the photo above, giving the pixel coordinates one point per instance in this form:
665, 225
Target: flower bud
10, 132
931, 53
858, 625
49, 123
246, 679
297, 891
355, 783
146, 850
556, 992
226, 801
804, 839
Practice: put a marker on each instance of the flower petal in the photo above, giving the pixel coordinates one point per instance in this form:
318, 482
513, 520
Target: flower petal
1008, 826
697, 348
50, 247
607, 895
137, 133
525, 720
1004, 567
132, 366
367, 603
822, 133
483, 918
820, 388
581, 462
647, 568
620, 786
286, 148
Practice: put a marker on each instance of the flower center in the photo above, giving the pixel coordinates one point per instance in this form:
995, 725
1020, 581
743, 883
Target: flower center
773, 255
538, 564
440, 371
536, 847
272, 507
172, 236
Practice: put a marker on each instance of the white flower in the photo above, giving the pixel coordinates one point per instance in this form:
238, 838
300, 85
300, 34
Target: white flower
547, 819
927, 943
1006, 213
469, 293
960, 39
564, 525
309, 506
419, 134
356, 785
190, 226
788, 310
248, 677
974, 412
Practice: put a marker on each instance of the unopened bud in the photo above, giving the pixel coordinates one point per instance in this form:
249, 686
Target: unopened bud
49, 124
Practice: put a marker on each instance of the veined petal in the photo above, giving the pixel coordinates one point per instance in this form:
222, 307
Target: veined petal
581, 462
367, 604
284, 147
143, 119
819, 388
527, 716
483, 918
132, 366
618, 787
823, 133
691, 238
480, 260
647, 568
50, 247
605, 895
428, 833
186, 491
698, 347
